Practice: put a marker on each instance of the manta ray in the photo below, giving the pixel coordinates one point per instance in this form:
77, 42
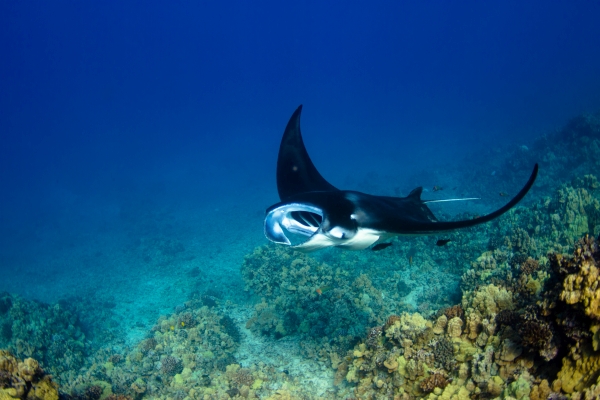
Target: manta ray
315, 214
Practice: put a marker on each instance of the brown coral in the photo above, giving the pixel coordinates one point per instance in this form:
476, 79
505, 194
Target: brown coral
391, 321
373, 336
243, 376
186, 320
93, 392
530, 266
171, 365
507, 317
435, 380
454, 311
4, 379
538, 335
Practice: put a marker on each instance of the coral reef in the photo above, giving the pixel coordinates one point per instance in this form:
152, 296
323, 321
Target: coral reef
509, 347
184, 350
51, 334
301, 296
507, 310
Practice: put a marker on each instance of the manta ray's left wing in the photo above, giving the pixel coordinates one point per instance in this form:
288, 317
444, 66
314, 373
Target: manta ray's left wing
296, 173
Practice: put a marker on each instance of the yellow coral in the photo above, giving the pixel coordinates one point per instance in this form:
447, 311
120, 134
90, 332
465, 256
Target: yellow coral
8, 362
44, 390
583, 287
391, 364
408, 326
454, 391
463, 349
32, 381
440, 325
489, 300
577, 375
541, 391
473, 326
519, 389
454, 328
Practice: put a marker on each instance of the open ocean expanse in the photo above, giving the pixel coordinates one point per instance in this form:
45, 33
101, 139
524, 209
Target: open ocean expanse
138, 153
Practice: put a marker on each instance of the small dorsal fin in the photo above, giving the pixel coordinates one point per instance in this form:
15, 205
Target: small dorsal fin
416, 194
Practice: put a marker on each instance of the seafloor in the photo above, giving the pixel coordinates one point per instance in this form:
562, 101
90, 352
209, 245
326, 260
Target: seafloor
508, 310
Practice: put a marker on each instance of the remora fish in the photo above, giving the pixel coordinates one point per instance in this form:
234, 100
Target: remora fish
320, 215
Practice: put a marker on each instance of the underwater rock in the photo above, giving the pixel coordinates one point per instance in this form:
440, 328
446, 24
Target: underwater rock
510, 350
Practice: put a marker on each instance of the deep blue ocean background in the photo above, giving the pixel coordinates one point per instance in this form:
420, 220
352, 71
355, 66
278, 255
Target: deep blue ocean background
139, 139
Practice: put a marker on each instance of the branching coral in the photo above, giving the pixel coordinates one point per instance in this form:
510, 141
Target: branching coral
536, 333
443, 352
170, 365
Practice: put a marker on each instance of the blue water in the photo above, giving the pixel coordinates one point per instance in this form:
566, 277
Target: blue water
139, 139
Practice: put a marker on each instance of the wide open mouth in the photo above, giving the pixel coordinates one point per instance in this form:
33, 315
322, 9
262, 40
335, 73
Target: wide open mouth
292, 223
